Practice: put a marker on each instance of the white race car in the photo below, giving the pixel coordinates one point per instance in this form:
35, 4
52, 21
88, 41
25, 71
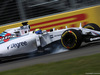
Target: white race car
21, 40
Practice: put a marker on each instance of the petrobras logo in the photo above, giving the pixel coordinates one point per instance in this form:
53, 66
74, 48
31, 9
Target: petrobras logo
17, 45
6, 37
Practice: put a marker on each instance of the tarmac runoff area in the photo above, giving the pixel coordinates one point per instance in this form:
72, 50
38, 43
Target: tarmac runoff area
84, 50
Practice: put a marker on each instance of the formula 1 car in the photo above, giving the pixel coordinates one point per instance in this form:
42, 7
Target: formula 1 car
21, 40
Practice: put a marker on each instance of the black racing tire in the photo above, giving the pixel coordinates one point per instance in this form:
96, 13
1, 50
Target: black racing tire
92, 26
71, 39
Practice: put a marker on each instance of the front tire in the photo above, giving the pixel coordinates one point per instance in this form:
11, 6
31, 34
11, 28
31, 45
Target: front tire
71, 39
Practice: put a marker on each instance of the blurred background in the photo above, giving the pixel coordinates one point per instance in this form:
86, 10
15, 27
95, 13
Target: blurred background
12, 11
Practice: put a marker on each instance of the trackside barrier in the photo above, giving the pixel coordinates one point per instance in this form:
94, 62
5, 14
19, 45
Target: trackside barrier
59, 21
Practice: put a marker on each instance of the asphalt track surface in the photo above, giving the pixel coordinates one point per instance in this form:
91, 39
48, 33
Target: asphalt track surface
84, 50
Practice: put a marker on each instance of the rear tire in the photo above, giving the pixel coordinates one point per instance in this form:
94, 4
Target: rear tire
92, 26
71, 39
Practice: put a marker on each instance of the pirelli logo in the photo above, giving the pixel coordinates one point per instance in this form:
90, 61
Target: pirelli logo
60, 22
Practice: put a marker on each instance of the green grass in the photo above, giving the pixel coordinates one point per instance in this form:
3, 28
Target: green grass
75, 66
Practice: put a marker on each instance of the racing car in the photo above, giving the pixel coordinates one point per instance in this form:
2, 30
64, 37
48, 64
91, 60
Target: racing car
21, 40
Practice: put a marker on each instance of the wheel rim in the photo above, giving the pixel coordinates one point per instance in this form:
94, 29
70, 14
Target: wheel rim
69, 40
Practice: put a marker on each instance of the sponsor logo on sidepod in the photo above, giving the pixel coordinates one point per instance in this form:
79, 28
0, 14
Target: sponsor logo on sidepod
17, 45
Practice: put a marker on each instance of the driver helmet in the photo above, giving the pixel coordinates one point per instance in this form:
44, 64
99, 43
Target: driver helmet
38, 31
